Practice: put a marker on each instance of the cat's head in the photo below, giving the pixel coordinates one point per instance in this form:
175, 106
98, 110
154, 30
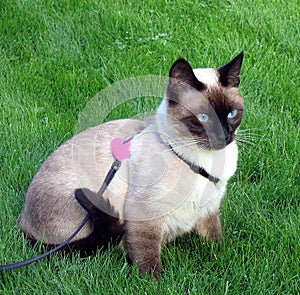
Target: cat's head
205, 102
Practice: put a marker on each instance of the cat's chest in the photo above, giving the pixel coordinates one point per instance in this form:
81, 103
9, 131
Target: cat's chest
202, 200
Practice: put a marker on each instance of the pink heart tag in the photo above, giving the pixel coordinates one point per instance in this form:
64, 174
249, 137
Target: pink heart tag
120, 149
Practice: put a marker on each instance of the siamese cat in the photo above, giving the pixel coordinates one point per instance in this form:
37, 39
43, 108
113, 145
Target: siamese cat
172, 183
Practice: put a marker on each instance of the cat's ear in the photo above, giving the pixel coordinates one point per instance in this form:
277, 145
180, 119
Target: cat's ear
182, 79
230, 73
182, 73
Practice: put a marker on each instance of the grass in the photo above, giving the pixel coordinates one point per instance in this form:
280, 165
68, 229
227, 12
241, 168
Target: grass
56, 56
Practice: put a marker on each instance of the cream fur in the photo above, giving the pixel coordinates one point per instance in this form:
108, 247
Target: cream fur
208, 76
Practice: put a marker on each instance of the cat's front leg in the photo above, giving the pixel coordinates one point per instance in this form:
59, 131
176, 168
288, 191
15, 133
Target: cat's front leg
142, 242
210, 227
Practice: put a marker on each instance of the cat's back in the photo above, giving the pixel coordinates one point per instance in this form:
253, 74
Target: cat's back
80, 161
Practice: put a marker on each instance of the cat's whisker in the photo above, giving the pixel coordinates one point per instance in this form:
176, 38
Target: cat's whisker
250, 129
245, 141
252, 136
246, 144
243, 146
249, 134
249, 139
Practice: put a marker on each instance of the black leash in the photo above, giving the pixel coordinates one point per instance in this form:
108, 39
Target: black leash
110, 175
60, 246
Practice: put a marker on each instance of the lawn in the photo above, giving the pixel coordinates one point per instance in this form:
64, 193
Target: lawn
57, 56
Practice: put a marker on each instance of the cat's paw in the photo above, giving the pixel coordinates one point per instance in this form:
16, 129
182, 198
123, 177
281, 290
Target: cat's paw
210, 227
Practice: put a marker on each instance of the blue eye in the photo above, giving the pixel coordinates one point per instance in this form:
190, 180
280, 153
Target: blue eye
232, 114
203, 117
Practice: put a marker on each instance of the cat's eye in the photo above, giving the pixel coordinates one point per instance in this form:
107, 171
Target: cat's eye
232, 114
203, 117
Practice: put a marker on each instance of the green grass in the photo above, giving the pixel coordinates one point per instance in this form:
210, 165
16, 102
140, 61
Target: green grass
57, 55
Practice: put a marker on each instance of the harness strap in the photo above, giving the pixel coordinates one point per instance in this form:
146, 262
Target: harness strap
195, 168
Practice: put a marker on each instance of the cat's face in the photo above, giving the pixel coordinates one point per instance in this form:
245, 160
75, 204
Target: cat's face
205, 104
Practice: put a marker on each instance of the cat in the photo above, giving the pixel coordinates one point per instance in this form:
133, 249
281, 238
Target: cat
173, 182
